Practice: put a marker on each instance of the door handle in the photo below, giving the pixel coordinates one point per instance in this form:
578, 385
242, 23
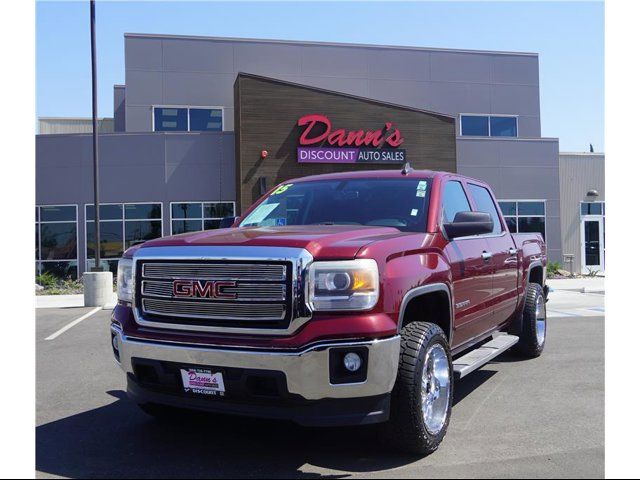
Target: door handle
486, 256
513, 251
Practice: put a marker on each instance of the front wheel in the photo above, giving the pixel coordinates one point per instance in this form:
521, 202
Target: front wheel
423, 394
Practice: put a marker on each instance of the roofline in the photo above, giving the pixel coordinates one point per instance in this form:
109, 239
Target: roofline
347, 95
327, 44
383, 173
586, 154
73, 118
131, 134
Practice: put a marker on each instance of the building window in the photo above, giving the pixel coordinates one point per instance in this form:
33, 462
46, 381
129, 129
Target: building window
198, 216
187, 119
525, 216
591, 208
170, 119
205, 119
122, 225
57, 240
489, 125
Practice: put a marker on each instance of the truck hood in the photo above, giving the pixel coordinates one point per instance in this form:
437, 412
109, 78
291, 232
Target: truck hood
322, 241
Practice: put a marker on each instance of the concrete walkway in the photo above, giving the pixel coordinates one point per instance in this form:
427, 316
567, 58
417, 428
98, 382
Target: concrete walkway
68, 301
582, 285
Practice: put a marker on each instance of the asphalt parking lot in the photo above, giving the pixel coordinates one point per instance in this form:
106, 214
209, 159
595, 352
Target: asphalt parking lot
512, 418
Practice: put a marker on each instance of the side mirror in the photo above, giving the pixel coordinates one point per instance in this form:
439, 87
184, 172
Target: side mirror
466, 224
227, 222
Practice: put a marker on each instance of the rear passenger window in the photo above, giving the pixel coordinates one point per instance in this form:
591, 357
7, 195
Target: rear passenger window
485, 204
454, 200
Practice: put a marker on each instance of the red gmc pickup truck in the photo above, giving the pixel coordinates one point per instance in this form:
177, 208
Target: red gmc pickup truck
340, 299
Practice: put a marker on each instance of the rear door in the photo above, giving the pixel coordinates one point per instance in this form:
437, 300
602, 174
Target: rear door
471, 274
504, 258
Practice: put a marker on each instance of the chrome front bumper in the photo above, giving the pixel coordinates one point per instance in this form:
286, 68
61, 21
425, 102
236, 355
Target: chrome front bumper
306, 371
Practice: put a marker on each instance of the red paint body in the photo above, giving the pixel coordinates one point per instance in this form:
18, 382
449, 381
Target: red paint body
485, 296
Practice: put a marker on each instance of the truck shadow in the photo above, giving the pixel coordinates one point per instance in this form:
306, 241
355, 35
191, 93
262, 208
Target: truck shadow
119, 441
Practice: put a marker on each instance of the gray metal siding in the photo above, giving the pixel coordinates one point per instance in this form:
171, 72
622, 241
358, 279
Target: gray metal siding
579, 173
518, 169
143, 167
164, 70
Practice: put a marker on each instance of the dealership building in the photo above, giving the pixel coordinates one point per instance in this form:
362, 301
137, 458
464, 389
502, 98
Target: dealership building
203, 126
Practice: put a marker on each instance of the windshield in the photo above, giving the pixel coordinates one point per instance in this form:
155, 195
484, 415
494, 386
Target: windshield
384, 202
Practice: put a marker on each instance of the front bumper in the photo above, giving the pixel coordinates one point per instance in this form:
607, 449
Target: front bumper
306, 372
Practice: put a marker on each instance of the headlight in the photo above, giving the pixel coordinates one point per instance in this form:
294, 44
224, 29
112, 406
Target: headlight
343, 285
125, 280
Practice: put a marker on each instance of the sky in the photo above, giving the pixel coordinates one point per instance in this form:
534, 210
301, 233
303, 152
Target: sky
568, 36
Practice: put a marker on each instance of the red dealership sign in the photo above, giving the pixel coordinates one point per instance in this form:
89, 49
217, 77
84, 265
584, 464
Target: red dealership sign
340, 137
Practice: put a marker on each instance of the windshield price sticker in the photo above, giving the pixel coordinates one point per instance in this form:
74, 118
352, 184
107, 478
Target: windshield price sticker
282, 189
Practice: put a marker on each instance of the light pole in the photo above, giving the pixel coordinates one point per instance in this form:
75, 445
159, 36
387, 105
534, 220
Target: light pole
94, 101
98, 285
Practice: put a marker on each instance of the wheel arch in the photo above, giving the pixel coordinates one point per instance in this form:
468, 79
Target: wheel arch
435, 296
535, 273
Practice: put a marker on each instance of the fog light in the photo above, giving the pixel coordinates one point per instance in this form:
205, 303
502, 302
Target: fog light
114, 342
352, 362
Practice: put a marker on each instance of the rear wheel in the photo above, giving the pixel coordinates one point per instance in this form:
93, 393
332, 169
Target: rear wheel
423, 394
534, 323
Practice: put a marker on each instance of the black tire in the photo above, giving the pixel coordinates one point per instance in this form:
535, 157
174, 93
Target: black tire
406, 425
530, 345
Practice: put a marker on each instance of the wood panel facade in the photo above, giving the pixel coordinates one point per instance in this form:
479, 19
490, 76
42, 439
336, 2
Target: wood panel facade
266, 118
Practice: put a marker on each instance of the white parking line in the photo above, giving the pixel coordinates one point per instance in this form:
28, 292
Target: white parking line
73, 324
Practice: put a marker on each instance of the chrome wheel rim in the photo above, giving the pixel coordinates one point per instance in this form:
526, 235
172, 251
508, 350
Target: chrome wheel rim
541, 320
436, 389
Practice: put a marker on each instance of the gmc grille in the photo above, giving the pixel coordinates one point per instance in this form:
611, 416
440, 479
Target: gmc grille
259, 294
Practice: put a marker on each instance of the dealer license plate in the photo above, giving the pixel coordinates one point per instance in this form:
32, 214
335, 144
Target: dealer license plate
202, 381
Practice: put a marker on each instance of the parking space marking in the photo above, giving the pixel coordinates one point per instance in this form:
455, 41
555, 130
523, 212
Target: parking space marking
73, 324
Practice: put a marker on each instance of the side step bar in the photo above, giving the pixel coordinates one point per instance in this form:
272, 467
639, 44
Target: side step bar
475, 359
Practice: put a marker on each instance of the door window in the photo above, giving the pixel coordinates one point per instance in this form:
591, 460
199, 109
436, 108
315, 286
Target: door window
485, 204
454, 200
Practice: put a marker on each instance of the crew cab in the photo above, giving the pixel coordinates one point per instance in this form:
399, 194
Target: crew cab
340, 299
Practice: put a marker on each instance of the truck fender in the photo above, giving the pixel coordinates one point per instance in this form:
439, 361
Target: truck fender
422, 290
532, 265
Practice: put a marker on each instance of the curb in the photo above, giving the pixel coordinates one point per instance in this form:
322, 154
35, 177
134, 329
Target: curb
68, 301
579, 290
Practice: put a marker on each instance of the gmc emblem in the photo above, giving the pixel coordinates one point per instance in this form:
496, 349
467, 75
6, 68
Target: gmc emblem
203, 289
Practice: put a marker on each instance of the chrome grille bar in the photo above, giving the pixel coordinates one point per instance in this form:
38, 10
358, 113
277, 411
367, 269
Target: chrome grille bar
215, 271
275, 292
214, 311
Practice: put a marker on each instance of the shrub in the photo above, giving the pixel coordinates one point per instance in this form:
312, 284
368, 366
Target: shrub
47, 280
592, 273
553, 267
